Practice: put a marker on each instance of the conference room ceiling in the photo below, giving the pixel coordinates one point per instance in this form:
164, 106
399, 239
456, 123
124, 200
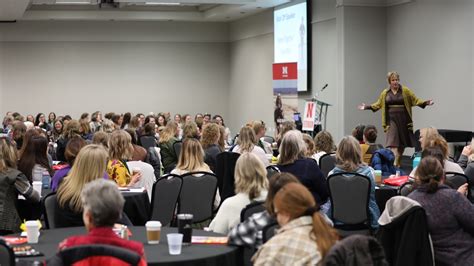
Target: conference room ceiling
132, 10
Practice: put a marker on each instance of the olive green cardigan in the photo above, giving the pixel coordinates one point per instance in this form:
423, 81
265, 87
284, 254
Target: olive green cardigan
410, 100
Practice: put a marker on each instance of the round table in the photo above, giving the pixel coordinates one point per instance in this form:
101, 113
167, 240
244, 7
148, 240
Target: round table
195, 254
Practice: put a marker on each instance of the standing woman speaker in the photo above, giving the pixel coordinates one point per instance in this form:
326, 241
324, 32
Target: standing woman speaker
396, 103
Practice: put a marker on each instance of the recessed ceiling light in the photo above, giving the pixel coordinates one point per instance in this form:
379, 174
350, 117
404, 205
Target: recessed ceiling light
161, 4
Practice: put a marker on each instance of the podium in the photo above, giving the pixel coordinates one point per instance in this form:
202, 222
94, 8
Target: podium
321, 112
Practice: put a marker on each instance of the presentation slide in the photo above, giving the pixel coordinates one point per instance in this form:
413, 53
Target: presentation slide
291, 39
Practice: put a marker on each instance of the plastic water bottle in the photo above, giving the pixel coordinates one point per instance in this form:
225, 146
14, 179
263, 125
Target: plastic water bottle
46, 180
416, 162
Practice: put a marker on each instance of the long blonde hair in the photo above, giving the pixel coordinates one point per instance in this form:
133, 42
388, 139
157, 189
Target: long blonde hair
90, 164
120, 145
247, 139
8, 155
169, 132
426, 135
349, 154
250, 175
191, 157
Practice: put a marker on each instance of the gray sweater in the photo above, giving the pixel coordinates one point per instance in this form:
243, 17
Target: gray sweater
451, 224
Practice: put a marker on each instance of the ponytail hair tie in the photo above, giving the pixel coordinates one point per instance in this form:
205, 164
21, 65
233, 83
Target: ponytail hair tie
311, 210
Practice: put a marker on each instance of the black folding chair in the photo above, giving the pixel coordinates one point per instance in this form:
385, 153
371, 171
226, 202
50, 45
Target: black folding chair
405, 189
455, 180
272, 170
269, 231
7, 257
254, 207
197, 195
70, 256
164, 198
225, 167
49, 209
327, 162
350, 194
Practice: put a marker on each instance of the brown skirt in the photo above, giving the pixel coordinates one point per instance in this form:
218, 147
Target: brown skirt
398, 134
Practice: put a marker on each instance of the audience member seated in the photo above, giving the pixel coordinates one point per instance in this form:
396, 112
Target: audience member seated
323, 144
168, 137
450, 215
102, 203
90, 164
304, 237
101, 138
191, 159
466, 161
292, 160
437, 140
249, 232
348, 159
71, 129
96, 121
120, 151
12, 183
282, 129
209, 141
139, 153
40, 122
34, 158
250, 185
148, 139
57, 131
369, 146
260, 130
72, 149
247, 143
18, 132
358, 133
308, 140
222, 142
191, 130
227, 136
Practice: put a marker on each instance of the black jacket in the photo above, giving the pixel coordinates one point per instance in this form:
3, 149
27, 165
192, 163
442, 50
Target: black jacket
405, 238
356, 250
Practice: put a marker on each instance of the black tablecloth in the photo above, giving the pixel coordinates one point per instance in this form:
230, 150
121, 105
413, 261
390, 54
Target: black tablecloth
137, 207
195, 255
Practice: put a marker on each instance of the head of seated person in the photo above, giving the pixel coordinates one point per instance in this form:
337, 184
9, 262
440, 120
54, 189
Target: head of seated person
102, 204
292, 147
191, 158
323, 142
370, 134
247, 139
101, 138
308, 140
349, 154
358, 133
426, 135
191, 130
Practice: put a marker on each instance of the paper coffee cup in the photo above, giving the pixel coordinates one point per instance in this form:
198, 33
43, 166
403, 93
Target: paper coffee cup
153, 232
32, 231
